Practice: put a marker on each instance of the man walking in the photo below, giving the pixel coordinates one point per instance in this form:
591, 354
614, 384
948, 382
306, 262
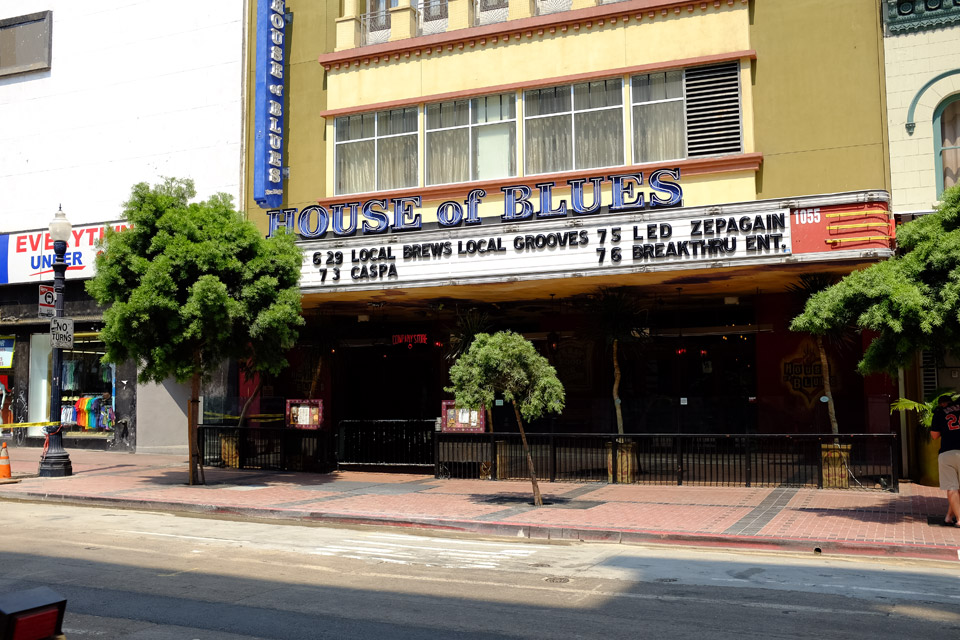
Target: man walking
946, 428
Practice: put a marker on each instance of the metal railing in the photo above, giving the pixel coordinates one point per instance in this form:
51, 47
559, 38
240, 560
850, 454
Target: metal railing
855, 461
277, 448
490, 11
375, 26
408, 443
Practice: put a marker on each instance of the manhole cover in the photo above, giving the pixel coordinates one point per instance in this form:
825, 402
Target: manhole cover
665, 580
557, 580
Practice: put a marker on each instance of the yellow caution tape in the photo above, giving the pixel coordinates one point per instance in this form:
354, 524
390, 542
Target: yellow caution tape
22, 425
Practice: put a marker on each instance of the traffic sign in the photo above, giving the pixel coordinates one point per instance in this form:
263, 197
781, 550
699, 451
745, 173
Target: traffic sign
48, 301
61, 333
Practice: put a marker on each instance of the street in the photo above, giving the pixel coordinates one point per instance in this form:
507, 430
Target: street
154, 576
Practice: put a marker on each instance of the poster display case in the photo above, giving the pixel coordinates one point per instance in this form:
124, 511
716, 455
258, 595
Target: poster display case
305, 414
458, 420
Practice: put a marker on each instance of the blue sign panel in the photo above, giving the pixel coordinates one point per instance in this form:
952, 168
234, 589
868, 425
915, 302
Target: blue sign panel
268, 110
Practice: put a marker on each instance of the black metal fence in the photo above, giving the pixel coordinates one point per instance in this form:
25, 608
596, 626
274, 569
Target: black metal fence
856, 461
401, 443
275, 448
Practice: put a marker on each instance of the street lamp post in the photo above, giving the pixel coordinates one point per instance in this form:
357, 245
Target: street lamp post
56, 461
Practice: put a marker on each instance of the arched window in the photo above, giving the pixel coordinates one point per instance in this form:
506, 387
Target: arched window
946, 129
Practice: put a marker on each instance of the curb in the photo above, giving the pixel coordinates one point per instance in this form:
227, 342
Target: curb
523, 531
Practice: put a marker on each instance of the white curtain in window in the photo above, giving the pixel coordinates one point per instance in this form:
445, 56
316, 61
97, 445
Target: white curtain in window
658, 132
448, 156
548, 144
354, 170
950, 136
599, 138
397, 162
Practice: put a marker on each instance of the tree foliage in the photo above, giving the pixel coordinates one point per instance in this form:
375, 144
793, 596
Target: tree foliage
911, 301
506, 363
193, 283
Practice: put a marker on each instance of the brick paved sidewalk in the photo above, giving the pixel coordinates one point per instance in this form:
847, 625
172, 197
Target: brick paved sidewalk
835, 521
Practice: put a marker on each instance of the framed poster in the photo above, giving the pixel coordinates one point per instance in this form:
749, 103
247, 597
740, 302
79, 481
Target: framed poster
6, 351
457, 420
304, 414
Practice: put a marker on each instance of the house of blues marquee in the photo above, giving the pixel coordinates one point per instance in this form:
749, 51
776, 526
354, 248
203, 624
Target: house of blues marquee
391, 287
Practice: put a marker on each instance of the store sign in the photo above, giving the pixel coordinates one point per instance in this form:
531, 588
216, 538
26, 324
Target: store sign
521, 203
598, 245
268, 110
6, 351
46, 306
61, 333
28, 256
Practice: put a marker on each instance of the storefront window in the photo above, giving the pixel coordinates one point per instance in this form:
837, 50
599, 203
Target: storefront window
573, 127
471, 139
376, 151
87, 385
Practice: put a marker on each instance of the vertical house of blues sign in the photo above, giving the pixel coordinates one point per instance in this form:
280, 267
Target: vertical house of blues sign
268, 113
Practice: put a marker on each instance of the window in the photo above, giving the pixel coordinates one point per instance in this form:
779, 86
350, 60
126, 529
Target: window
686, 114
573, 127
658, 125
25, 43
947, 130
376, 151
472, 139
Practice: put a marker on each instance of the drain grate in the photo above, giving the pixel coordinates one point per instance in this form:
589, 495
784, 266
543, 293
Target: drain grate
665, 580
557, 580
540, 565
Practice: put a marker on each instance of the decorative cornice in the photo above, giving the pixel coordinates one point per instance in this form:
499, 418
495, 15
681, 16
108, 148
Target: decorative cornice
545, 82
916, 15
527, 28
689, 167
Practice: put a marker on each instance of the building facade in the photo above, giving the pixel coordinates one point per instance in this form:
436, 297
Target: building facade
515, 160
921, 52
96, 97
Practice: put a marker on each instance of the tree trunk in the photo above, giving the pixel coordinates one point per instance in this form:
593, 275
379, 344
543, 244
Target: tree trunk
489, 419
246, 405
315, 383
192, 411
825, 366
616, 387
537, 499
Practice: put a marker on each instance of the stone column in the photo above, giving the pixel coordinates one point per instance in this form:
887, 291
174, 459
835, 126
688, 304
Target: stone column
403, 20
348, 26
460, 14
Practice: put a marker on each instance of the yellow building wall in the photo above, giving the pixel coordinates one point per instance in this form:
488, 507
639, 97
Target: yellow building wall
813, 101
526, 60
819, 99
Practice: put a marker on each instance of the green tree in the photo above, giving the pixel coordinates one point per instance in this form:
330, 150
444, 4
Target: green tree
911, 302
808, 285
506, 363
193, 283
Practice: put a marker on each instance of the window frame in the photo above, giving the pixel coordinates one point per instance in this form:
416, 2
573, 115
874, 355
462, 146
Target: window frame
469, 127
683, 108
376, 146
938, 139
573, 123
45, 63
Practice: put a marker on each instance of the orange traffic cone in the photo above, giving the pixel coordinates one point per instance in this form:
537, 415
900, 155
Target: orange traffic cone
4, 462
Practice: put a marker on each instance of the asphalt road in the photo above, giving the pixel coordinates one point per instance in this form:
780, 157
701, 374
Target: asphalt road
149, 576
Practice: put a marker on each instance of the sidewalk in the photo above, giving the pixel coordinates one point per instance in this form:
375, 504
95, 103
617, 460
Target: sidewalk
838, 522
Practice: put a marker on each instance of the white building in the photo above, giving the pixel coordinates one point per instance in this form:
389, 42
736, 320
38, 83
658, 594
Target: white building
96, 96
